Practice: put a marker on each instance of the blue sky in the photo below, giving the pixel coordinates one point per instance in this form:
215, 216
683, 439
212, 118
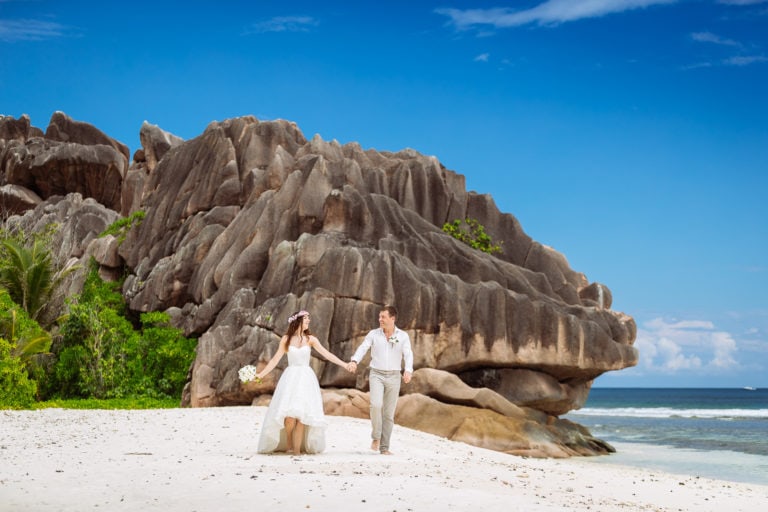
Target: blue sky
630, 135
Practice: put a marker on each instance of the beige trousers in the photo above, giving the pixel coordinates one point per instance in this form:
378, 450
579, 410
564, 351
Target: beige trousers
385, 389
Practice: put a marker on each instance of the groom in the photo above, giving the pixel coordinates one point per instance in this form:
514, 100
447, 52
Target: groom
389, 347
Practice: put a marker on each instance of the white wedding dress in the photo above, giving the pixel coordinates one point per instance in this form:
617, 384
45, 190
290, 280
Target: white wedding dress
297, 395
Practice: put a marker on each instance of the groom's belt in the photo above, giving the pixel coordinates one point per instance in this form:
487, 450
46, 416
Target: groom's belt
385, 372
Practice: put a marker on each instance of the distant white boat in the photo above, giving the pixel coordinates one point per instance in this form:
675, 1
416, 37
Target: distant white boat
749, 388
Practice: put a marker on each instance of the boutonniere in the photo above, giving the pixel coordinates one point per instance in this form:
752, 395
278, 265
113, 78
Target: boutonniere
393, 339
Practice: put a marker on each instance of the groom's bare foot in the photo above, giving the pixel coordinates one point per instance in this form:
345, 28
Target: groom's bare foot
375, 445
386, 452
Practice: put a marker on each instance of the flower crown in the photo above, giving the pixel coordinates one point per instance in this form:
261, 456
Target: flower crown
297, 315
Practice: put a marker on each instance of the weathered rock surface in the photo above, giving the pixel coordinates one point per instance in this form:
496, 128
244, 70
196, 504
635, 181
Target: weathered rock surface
448, 388
488, 429
15, 199
63, 128
346, 402
71, 157
156, 143
251, 221
531, 388
17, 129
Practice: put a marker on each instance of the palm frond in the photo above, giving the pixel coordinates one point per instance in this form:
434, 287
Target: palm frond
30, 346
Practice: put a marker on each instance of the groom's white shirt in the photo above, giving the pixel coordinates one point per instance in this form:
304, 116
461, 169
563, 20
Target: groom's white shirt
386, 355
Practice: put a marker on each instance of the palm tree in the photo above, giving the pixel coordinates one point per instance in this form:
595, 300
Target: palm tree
26, 342
29, 275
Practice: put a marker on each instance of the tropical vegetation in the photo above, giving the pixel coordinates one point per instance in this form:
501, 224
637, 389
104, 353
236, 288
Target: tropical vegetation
95, 349
29, 274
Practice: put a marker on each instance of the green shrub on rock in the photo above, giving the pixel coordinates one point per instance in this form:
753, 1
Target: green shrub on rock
473, 235
120, 227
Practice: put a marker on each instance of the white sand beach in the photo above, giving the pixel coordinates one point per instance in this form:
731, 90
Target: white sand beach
205, 460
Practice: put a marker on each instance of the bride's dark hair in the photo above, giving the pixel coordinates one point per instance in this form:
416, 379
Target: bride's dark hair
294, 326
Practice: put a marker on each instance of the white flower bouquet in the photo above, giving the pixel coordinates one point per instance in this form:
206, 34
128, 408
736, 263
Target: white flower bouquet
248, 373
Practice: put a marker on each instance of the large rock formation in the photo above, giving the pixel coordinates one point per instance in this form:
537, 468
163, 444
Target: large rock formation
251, 221
254, 221
71, 157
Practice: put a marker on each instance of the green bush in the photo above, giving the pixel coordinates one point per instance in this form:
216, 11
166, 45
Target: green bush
167, 354
120, 227
24, 333
473, 235
102, 355
16, 390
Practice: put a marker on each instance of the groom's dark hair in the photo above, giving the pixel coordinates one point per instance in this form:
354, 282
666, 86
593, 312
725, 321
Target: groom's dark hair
391, 310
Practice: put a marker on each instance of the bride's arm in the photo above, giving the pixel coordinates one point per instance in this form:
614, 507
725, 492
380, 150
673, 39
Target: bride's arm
315, 343
275, 359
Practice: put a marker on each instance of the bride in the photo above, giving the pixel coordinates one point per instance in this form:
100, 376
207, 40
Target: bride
295, 421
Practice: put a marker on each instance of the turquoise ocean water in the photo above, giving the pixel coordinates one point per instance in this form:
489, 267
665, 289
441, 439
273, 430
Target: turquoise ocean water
715, 433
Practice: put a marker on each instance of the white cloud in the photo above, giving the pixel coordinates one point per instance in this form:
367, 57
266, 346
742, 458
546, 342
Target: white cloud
709, 37
744, 60
29, 30
723, 347
664, 355
663, 327
285, 24
738, 61
483, 57
551, 12
692, 346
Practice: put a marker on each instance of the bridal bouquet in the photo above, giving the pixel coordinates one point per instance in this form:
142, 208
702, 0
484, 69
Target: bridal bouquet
248, 373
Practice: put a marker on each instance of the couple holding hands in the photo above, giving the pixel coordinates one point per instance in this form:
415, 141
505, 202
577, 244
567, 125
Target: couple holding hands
295, 421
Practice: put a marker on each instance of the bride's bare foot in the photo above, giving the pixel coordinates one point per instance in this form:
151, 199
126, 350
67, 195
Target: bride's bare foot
375, 445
